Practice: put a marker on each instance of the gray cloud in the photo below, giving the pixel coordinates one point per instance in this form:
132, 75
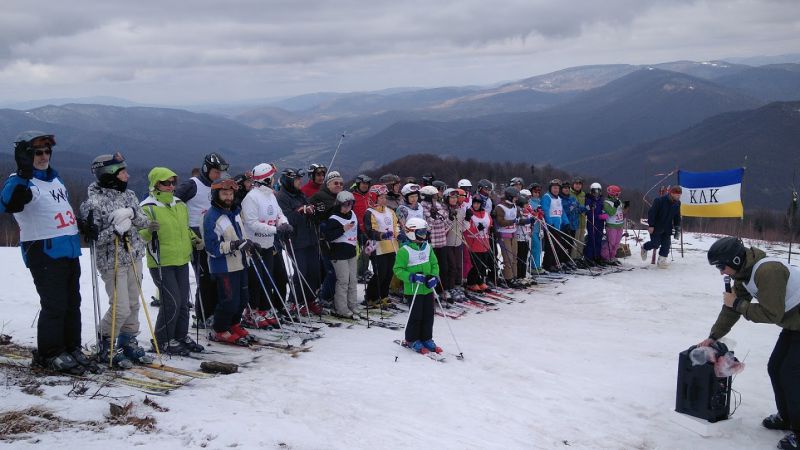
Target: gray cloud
149, 49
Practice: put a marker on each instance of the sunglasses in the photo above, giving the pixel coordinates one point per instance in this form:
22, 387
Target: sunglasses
167, 183
720, 266
337, 183
46, 151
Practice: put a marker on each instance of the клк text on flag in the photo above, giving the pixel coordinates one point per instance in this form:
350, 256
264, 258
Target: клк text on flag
711, 194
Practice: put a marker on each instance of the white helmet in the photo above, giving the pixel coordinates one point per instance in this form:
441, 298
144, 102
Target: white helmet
416, 229
263, 172
595, 186
462, 183
409, 188
428, 191
525, 193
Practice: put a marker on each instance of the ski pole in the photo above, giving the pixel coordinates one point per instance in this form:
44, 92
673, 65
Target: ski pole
277, 292
263, 286
95, 289
410, 311
300, 277
330, 166
141, 296
447, 321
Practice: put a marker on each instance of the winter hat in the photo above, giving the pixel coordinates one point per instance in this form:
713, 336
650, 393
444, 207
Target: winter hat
333, 176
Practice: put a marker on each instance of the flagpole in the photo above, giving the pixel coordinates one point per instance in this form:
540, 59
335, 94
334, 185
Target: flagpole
678, 170
741, 197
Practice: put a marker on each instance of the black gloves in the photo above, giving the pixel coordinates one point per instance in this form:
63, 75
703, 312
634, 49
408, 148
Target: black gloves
284, 231
615, 202
626, 204
468, 214
88, 229
243, 245
23, 155
481, 227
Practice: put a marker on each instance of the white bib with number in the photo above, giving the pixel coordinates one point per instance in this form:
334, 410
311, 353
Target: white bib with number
555, 207
350, 236
199, 204
48, 214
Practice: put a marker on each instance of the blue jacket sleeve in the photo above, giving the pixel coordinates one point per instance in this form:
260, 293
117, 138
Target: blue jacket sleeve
14, 198
186, 191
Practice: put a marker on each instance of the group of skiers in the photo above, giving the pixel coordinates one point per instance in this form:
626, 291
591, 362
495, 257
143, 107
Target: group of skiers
256, 239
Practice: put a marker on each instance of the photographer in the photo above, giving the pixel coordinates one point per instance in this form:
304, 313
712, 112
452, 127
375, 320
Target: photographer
776, 286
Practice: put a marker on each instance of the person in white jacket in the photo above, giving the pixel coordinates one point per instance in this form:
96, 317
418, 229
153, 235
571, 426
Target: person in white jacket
263, 220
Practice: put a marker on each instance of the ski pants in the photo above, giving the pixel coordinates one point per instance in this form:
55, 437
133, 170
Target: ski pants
420, 318
451, 269
57, 282
173, 315
784, 372
578, 250
508, 245
555, 249
613, 237
232, 292
378, 287
536, 250
594, 240
522, 259
467, 262
481, 268
345, 298
661, 240
441, 256
122, 289
206, 291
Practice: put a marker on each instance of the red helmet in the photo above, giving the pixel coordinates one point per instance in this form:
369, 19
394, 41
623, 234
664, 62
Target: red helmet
375, 191
613, 190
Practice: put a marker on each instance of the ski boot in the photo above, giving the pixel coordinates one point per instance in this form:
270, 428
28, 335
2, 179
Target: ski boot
63, 363
191, 345
118, 360
87, 363
431, 346
242, 333
131, 349
775, 422
789, 442
643, 253
253, 319
418, 347
226, 337
173, 348
269, 317
662, 262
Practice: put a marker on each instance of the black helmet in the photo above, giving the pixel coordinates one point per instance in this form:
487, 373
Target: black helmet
728, 251
362, 178
213, 161
389, 179
439, 185
534, 186
484, 184
288, 175
106, 167
577, 180
565, 184
510, 193
314, 168
428, 179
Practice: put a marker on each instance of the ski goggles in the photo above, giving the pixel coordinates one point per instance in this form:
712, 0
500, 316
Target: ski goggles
227, 183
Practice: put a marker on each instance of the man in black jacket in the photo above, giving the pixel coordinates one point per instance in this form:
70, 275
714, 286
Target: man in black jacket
663, 221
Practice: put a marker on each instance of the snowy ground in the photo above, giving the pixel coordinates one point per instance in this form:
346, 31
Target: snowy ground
588, 364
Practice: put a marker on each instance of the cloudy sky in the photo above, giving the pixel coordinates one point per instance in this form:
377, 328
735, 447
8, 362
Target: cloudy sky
195, 51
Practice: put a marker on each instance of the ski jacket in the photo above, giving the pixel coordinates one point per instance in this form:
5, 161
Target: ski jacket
323, 200
773, 283
438, 223
594, 221
616, 213
42, 210
477, 240
455, 234
572, 212
310, 188
360, 207
664, 214
341, 243
377, 221
523, 232
305, 230
261, 216
580, 197
553, 210
196, 193
101, 202
220, 228
174, 234
415, 258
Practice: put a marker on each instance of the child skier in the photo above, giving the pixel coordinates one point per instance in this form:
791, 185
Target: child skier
115, 211
523, 233
477, 242
380, 224
341, 233
438, 223
411, 206
595, 224
417, 266
451, 270
615, 209
535, 204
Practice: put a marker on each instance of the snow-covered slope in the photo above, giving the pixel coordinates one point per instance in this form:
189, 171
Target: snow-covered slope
588, 364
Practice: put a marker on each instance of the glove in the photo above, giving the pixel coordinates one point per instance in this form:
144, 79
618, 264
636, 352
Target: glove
626, 204
603, 216
243, 245
284, 230
431, 281
197, 243
451, 215
416, 278
468, 214
677, 232
387, 235
320, 207
23, 155
540, 214
122, 218
615, 202
153, 226
481, 227
88, 229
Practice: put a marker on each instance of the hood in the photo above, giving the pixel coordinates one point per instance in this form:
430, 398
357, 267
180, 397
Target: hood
158, 174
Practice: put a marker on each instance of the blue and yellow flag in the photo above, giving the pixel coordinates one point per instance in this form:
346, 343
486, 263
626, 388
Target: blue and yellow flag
711, 194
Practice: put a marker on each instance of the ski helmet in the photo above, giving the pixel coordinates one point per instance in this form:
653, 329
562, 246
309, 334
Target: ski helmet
389, 179
525, 193
288, 175
375, 191
345, 197
565, 185
362, 178
314, 168
416, 229
535, 187
510, 193
213, 161
450, 192
613, 190
480, 201
106, 167
577, 180
408, 189
524, 196
728, 251
24, 141
224, 182
464, 183
516, 180
439, 185
485, 184
263, 173
595, 186
428, 179
428, 193
555, 182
